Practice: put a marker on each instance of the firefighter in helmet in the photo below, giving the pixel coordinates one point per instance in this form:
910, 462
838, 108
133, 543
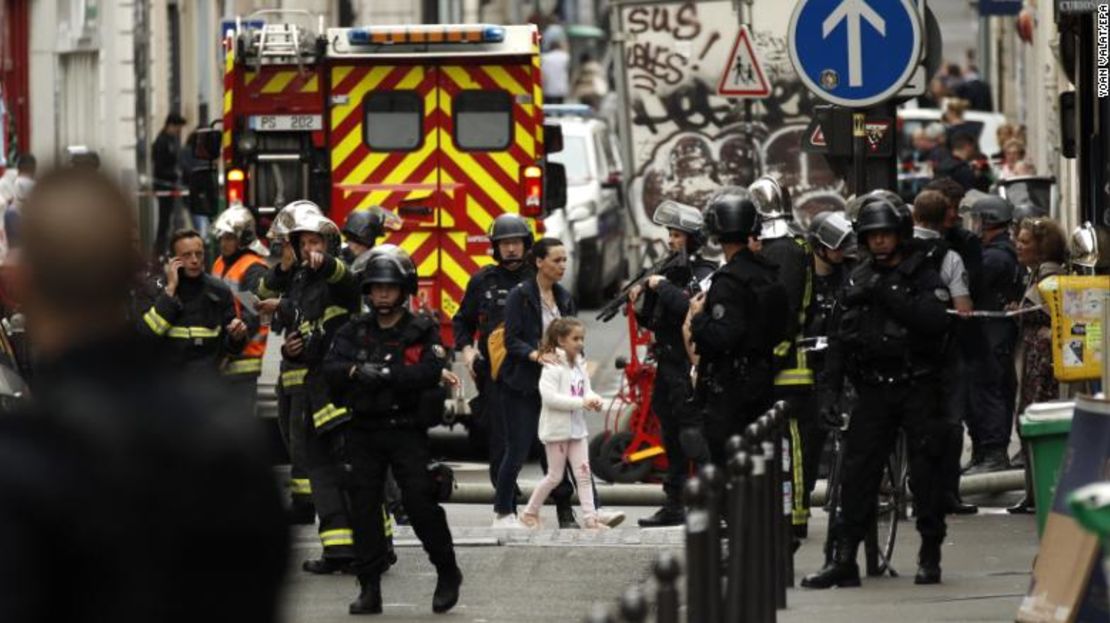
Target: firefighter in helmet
242, 265
290, 385
666, 299
794, 385
319, 293
386, 368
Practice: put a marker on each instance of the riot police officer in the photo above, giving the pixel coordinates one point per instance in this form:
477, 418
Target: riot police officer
889, 341
362, 228
319, 293
663, 310
242, 265
995, 387
734, 327
386, 366
482, 312
833, 242
794, 382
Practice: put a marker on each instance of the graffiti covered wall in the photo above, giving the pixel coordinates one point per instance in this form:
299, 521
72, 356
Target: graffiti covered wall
684, 140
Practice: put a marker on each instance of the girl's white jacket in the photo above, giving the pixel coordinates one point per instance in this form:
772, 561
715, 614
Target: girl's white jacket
558, 402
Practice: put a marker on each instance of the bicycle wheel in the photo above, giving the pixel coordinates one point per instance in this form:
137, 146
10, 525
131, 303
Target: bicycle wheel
892, 503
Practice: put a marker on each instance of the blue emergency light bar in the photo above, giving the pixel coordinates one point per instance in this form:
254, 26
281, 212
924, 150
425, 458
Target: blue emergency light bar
393, 35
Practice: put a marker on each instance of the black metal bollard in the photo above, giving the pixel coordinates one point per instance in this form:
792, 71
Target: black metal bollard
600, 614
737, 597
667, 571
761, 585
714, 491
772, 452
634, 607
788, 492
697, 545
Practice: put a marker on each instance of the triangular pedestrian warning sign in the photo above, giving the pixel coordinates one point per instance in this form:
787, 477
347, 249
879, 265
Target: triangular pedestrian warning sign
817, 139
743, 76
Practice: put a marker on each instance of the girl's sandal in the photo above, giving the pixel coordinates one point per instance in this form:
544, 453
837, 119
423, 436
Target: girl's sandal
530, 520
591, 523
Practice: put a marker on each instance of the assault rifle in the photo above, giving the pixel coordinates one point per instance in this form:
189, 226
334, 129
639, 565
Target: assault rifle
672, 260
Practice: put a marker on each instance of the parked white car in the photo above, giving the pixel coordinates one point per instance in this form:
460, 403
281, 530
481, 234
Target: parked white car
592, 223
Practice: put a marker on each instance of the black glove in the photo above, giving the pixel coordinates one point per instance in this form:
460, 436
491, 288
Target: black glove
832, 418
372, 374
694, 444
859, 293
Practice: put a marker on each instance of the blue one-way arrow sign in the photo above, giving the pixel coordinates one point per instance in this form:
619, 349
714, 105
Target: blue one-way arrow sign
855, 53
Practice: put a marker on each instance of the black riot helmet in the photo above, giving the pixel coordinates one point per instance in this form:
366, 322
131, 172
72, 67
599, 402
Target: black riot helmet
731, 215
507, 227
366, 226
392, 266
878, 215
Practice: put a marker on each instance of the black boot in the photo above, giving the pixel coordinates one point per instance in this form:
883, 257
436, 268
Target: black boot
841, 571
669, 515
956, 506
327, 566
928, 562
369, 599
993, 460
447, 590
566, 517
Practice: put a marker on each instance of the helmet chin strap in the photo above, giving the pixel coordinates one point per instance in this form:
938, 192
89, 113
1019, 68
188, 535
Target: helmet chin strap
512, 264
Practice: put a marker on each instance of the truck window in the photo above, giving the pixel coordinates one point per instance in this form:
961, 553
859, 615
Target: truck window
394, 121
483, 120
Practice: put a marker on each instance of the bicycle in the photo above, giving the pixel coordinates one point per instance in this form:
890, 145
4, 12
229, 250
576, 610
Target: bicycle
892, 503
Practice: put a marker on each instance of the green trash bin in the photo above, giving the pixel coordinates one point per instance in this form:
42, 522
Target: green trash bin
1045, 427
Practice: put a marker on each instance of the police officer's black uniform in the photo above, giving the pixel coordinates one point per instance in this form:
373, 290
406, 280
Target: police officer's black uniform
387, 378
663, 311
739, 326
994, 390
481, 312
315, 303
889, 341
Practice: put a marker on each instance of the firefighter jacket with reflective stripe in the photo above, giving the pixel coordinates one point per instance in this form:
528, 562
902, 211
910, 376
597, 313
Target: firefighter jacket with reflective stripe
242, 273
191, 326
795, 262
410, 356
315, 303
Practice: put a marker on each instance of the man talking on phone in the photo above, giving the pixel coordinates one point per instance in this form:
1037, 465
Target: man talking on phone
193, 314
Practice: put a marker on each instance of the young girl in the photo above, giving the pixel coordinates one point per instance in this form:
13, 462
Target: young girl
565, 392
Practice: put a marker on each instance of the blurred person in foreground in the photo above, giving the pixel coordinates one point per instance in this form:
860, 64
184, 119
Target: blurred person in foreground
102, 475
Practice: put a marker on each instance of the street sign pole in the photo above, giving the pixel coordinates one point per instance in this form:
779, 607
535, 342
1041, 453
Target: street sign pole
859, 152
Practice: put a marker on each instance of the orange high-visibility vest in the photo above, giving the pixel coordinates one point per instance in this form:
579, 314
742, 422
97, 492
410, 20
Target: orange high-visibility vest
250, 361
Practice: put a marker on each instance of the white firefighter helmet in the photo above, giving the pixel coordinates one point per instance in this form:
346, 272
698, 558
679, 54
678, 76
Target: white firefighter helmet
288, 216
773, 204
239, 222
